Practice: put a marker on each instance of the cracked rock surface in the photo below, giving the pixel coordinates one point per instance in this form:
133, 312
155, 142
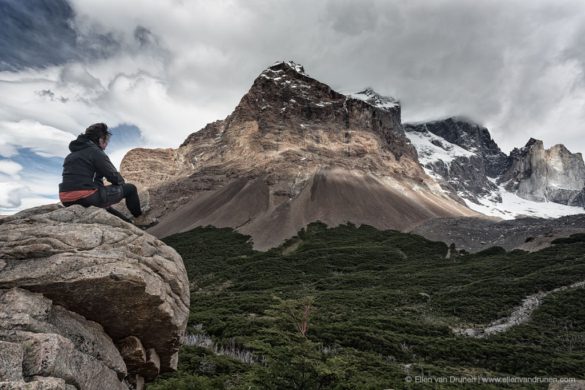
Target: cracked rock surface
101, 280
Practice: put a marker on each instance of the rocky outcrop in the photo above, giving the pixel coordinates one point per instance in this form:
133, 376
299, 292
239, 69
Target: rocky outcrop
46, 340
551, 175
293, 151
470, 166
471, 137
75, 285
461, 155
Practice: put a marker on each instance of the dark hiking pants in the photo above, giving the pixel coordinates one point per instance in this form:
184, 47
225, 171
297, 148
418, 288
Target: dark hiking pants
107, 196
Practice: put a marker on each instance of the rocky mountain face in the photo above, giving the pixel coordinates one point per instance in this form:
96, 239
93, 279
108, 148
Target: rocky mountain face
87, 301
546, 175
467, 163
460, 154
292, 152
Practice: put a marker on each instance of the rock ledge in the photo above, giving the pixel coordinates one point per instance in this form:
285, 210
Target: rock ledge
113, 278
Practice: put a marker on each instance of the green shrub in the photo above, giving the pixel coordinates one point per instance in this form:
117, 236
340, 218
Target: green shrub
381, 301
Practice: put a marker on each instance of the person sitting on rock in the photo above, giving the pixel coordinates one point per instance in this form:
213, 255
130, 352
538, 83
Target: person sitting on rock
83, 172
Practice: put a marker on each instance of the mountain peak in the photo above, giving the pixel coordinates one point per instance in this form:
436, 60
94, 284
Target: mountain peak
287, 78
373, 98
293, 147
277, 70
534, 141
283, 92
546, 175
283, 99
461, 131
461, 153
281, 65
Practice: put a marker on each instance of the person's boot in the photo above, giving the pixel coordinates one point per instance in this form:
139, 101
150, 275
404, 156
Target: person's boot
144, 221
118, 214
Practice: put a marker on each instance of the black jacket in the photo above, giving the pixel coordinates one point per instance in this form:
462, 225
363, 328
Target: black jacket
86, 166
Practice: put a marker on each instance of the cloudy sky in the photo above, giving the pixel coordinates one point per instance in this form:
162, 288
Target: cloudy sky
159, 70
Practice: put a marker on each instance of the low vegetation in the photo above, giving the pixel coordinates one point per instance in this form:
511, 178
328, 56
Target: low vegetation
354, 307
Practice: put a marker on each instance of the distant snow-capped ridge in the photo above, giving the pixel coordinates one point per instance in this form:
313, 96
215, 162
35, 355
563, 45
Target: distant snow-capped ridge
531, 181
371, 97
277, 72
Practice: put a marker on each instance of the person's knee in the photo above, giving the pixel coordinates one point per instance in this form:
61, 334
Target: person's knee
129, 189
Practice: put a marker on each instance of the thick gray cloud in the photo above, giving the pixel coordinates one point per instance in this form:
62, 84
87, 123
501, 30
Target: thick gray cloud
515, 66
40, 33
169, 67
35, 33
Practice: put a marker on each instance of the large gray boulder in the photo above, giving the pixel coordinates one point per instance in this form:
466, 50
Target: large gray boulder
102, 268
38, 383
40, 339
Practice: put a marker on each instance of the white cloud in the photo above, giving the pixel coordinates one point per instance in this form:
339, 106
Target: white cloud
11, 194
19, 191
22, 188
21, 199
515, 66
115, 91
9, 168
43, 140
511, 70
27, 97
7, 150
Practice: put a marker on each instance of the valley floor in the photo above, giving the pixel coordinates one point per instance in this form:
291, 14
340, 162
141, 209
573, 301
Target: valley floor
353, 308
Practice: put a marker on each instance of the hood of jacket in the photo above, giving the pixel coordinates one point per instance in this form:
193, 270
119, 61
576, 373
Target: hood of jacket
82, 142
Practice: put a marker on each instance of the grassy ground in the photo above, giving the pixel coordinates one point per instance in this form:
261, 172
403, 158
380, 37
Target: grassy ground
350, 307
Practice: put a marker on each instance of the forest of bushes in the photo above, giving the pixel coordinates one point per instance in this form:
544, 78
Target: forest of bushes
354, 307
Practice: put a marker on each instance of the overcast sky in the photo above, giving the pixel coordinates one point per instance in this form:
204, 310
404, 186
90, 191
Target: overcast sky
169, 67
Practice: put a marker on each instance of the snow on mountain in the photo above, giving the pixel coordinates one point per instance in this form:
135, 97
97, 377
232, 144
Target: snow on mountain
371, 97
512, 206
432, 148
298, 67
275, 71
463, 158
